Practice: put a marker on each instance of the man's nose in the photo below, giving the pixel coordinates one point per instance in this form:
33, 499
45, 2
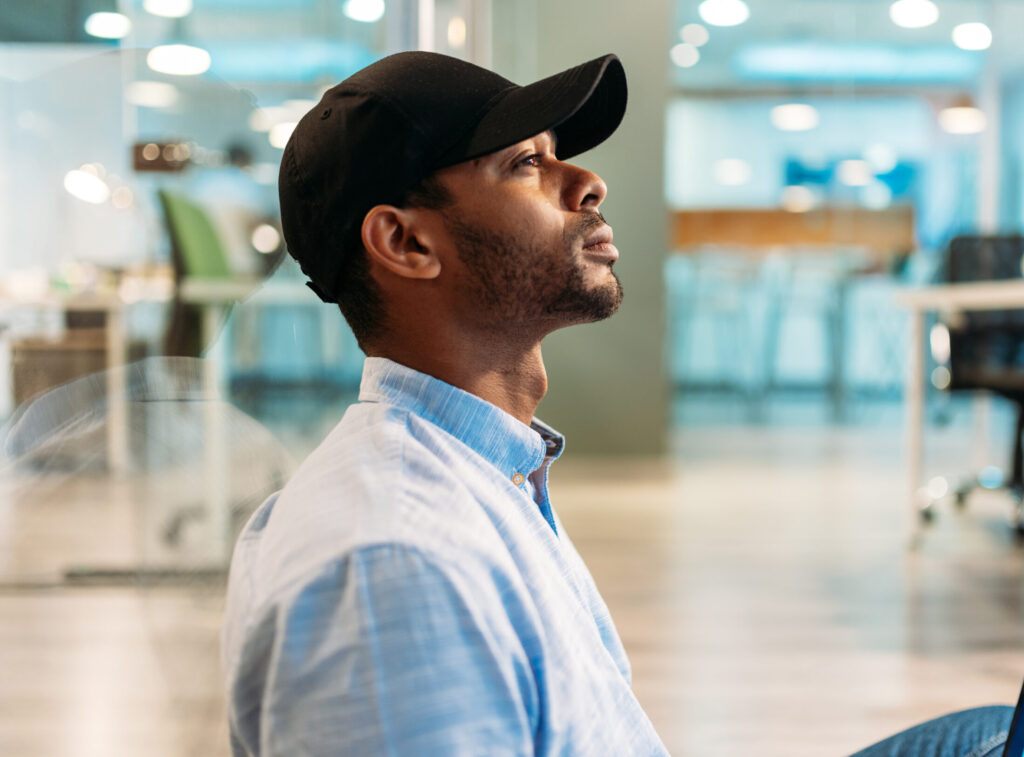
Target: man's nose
584, 189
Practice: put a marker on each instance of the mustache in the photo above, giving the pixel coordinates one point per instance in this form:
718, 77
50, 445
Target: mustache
587, 222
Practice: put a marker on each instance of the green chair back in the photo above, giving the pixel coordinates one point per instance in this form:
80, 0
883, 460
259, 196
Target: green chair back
196, 247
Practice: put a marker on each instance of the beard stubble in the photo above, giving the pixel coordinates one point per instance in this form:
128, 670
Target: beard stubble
517, 281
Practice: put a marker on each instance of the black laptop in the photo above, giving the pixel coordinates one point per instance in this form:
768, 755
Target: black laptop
1015, 740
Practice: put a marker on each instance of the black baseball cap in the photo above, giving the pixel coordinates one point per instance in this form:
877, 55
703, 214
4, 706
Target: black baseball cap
390, 125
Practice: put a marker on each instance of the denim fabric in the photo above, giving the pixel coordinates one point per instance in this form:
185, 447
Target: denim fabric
980, 732
412, 592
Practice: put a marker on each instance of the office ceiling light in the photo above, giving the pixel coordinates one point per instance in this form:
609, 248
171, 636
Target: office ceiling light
108, 25
938, 339
168, 8
913, 14
179, 60
696, 34
794, 117
962, 119
152, 94
798, 199
457, 33
122, 198
366, 11
297, 108
724, 12
974, 36
279, 133
732, 172
684, 55
854, 173
86, 186
265, 238
261, 119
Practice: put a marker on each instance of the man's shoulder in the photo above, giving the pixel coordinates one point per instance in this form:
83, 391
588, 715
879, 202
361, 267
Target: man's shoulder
383, 476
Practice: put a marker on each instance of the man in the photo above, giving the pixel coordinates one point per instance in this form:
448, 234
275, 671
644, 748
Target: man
411, 591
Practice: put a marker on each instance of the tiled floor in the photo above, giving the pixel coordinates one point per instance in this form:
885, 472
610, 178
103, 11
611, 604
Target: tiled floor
760, 579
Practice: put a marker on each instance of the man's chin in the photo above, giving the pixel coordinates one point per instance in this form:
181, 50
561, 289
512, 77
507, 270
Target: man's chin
589, 305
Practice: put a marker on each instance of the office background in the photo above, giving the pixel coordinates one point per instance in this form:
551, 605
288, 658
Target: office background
736, 468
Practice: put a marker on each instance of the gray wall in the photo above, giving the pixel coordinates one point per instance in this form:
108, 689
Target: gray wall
608, 391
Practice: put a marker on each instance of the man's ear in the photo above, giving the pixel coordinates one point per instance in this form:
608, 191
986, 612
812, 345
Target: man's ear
394, 239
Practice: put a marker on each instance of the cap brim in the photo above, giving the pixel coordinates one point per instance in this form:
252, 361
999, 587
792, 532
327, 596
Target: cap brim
584, 105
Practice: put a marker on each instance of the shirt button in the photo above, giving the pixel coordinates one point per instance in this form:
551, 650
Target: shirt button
518, 479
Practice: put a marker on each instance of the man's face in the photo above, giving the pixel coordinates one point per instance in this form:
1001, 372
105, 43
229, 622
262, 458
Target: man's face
534, 251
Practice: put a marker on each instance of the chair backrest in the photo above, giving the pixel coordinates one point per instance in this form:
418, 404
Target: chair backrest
196, 250
986, 347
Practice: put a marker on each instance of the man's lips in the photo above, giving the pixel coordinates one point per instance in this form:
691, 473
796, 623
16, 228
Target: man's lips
599, 245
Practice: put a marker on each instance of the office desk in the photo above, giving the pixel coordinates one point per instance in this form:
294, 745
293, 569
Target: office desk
947, 298
112, 306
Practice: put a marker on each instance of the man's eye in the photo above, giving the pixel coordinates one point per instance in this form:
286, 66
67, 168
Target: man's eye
529, 161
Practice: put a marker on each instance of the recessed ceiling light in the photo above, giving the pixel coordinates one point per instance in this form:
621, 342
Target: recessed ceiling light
724, 12
798, 199
913, 14
108, 25
366, 11
279, 134
168, 8
962, 119
179, 60
457, 33
974, 36
86, 186
732, 172
696, 34
794, 117
684, 55
854, 173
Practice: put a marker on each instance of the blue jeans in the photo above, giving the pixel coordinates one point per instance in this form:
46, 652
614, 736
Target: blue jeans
972, 733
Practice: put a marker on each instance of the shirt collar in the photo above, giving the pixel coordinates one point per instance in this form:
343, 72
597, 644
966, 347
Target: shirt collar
512, 447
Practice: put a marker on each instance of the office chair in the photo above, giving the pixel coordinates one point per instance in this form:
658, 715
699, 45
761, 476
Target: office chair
196, 251
986, 348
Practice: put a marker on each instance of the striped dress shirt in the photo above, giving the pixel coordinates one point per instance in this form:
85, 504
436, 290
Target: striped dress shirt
411, 591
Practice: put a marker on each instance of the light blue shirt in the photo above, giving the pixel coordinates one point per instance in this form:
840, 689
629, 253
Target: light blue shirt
411, 591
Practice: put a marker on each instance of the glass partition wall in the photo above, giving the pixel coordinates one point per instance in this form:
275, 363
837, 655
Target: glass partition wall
162, 364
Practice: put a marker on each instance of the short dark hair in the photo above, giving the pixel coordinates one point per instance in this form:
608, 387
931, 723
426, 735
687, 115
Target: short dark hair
359, 297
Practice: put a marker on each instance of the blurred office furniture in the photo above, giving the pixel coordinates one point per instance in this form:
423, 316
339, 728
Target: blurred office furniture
206, 290
813, 283
987, 313
197, 255
986, 349
712, 287
757, 322
169, 404
781, 292
881, 231
43, 362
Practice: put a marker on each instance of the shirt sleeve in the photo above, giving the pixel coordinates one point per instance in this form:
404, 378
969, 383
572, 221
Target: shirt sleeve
389, 652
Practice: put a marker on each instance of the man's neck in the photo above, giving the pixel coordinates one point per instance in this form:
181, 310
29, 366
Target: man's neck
512, 379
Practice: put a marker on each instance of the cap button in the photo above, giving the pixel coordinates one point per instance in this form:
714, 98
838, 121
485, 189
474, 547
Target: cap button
325, 114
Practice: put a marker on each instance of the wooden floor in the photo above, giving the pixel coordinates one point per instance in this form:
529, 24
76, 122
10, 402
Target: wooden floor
760, 579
